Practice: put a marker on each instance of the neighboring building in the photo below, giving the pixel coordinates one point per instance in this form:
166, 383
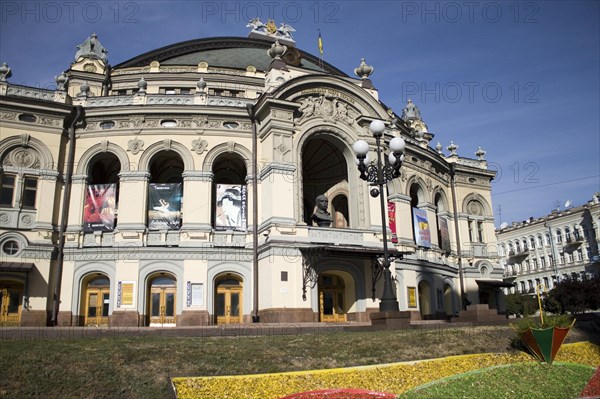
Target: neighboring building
158, 208
545, 250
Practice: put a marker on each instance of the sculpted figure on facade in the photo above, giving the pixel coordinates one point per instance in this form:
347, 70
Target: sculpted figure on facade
321, 217
331, 110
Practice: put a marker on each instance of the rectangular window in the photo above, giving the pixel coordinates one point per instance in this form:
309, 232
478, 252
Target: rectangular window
29, 192
170, 91
7, 189
284, 276
543, 261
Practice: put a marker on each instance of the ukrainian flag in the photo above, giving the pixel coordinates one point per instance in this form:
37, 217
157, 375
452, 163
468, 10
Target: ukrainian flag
320, 42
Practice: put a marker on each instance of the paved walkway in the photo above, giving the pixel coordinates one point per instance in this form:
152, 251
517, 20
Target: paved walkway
228, 330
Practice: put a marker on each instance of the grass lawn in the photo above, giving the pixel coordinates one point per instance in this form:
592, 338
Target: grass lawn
141, 366
530, 380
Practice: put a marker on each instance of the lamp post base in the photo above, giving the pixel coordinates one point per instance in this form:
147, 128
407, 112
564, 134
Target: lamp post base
392, 320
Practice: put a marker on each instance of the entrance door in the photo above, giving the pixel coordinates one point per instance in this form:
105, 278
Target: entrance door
11, 298
97, 307
228, 303
163, 294
97, 300
331, 299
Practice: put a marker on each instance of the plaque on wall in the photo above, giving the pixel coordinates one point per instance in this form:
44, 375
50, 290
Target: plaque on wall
412, 297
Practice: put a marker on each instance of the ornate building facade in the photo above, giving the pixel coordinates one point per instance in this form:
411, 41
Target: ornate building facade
127, 194
545, 250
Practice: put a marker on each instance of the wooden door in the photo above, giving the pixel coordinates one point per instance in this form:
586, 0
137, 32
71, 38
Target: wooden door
11, 298
228, 304
162, 306
96, 307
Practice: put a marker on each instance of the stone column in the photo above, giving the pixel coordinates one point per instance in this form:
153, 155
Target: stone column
133, 200
197, 196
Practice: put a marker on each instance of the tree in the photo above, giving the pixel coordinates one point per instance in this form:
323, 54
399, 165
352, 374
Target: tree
574, 296
520, 304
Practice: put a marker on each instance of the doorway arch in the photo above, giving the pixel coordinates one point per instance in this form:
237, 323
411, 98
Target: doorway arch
448, 305
332, 302
162, 300
95, 300
11, 302
424, 299
228, 305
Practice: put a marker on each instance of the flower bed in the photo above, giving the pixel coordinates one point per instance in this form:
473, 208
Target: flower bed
396, 378
592, 389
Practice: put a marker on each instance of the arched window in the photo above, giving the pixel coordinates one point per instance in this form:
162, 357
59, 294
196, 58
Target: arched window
558, 236
532, 242
540, 241
567, 234
19, 178
476, 213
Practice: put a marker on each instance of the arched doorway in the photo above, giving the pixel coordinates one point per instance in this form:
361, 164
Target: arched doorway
332, 308
162, 302
96, 301
11, 303
228, 299
425, 299
448, 300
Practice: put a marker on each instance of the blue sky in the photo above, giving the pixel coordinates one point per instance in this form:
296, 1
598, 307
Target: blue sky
520, 79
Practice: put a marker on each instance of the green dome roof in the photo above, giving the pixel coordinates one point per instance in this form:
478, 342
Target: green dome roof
227, 52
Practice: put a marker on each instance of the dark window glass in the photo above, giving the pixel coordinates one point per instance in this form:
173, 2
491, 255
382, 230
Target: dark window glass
29, 191
7, 188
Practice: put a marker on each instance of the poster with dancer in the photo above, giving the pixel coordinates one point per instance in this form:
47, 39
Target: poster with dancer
99, 208
164, 206
230, 212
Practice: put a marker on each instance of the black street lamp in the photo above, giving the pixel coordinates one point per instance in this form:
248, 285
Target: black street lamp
378, 174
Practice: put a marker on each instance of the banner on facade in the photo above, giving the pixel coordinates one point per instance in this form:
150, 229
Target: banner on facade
99, 208
392, 220
230, 211
444, 235
421, 226
164, 206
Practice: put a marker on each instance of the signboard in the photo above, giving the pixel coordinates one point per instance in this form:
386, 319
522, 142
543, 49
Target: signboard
412, 297
392, 220
195, 294
421, 226
444, 235
231, 207
99, 208
125, 290
164, 206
